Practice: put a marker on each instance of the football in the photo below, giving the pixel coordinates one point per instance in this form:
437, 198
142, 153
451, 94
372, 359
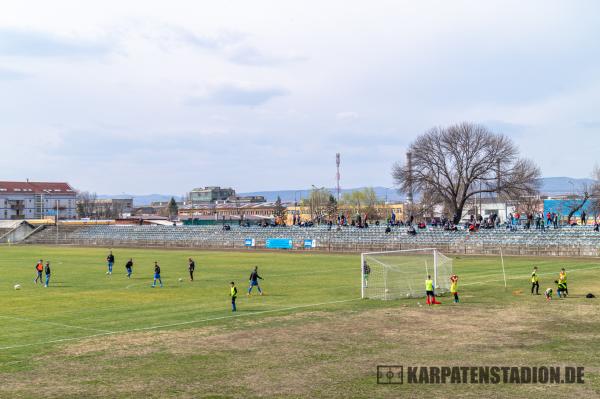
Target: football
17, 286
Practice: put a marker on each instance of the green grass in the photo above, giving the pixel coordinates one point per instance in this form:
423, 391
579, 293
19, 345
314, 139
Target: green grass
94, 335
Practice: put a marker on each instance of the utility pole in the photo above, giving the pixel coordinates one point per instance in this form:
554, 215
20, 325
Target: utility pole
409, 194
56, 221
337, 176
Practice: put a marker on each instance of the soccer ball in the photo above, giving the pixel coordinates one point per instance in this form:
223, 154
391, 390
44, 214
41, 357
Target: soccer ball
408, 294
17, 286
387, 291
180, 279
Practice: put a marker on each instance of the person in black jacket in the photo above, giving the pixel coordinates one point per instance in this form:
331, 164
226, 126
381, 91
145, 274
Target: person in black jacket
157, 275
110, 261
47, 272
254, 277
128, 267
191, 268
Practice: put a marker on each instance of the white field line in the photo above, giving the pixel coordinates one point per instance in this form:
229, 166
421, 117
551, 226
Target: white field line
53, 323
156, 327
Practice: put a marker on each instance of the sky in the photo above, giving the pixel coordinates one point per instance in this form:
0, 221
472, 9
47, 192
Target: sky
161, 97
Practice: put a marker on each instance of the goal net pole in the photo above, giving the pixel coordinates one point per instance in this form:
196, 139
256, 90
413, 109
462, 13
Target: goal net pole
402, 273
362, 275
435, 268
503, 271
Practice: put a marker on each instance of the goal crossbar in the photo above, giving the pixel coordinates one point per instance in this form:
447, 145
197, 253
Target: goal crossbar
402, 273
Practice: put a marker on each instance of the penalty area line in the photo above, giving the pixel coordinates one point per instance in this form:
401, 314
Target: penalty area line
183, 323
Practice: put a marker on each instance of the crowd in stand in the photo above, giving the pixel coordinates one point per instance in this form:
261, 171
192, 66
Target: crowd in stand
515, 221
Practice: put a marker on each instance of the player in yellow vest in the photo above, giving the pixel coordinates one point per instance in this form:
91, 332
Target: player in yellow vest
429, 291
535, 282
454, 287
562, 279
233, 293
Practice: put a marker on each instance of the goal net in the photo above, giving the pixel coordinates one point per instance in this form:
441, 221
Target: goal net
402, 274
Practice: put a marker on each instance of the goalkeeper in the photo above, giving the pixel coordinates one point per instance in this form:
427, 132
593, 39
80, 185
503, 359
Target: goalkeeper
429, 292
366, 272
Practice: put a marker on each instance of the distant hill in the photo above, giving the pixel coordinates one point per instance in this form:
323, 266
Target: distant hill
563, 185
549, 186
141, 200
296, 195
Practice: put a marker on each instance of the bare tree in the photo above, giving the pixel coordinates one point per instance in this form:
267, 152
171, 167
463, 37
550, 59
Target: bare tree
529, 204
577, 202
461, 161
317, 203
586, 197
86, 204
594, 205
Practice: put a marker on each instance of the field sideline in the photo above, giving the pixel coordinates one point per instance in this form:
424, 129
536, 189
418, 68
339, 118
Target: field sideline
310, 335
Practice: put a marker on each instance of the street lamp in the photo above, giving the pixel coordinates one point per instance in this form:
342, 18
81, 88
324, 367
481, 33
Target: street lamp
572, 185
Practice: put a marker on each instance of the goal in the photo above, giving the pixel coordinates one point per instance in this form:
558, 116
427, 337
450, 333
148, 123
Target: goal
402, 274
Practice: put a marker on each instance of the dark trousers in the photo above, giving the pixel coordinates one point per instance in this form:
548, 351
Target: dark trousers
535, 285
191, 275
233, 308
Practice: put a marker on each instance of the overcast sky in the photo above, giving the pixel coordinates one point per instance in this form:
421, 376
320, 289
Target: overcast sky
163, 96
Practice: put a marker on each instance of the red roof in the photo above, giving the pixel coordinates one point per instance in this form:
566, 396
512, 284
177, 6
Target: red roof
14, 187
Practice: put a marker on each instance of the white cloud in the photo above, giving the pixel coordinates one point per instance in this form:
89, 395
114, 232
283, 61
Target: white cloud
350, 76
346, 116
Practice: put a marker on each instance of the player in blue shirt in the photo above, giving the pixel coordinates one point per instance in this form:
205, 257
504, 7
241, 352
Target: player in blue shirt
157, 275
254, 277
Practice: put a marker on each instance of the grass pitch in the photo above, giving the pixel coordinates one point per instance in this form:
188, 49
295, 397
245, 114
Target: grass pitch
93, 335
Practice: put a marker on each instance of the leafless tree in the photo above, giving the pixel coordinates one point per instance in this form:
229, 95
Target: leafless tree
594, 206
460, 161
578, 201
86, 204
529, 204
317, 203
586, 194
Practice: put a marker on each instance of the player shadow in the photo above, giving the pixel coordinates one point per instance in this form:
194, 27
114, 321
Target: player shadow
60, 284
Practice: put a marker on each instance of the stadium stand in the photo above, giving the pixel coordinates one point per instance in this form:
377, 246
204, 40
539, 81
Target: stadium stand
566, 241
8, 225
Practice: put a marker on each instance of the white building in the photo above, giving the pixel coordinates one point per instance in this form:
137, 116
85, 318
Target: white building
36, 200
487, 207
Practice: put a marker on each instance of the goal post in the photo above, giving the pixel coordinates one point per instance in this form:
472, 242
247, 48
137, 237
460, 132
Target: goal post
402, 274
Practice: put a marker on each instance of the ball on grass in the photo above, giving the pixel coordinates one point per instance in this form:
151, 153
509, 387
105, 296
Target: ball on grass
17, 286
180, 279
